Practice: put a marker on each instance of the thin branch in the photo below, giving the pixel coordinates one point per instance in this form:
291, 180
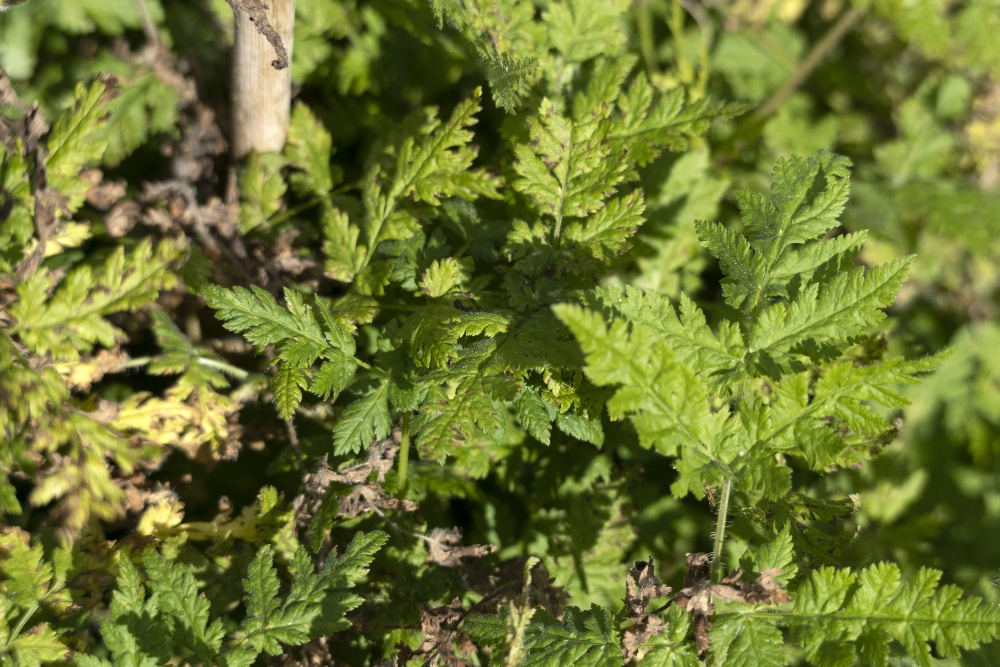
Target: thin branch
148, 27
812, 61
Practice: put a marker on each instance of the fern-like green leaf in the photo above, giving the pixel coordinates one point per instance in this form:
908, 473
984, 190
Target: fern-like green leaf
255, 314
715, 355
74, 143
38, 646
568, 169
459, 414
665, 398
129, 630
267, 627
583, 638
145, 105
607, 233
262, 186
363, 422
851, 302
27, 576
842, 616
434, 165
444, 276
344, 256
287, 385
807, 197
316, 605
648, 126
582, 29
309, 149
30, 583
747, 643
178, 598
72, 320
300, 337
534, 414
509, 77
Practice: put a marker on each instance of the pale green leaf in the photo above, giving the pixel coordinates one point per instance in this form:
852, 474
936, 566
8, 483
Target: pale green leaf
344, 258
444, 276
262, 186
851, 302
581, 638
510, 77
582, 29
744, 641
865, 611
72, 320
309, 149
72, 143
287, 385
363, 422
534, 414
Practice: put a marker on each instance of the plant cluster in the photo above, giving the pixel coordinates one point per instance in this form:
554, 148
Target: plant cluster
486, 367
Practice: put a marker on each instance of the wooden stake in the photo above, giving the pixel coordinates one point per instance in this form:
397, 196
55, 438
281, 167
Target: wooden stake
261, 93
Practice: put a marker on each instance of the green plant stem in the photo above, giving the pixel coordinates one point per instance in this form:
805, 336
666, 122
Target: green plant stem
812, 61
720, 529
677, 30
754, 124
26, 616
700, 16
404, 454
295, 210
647, 42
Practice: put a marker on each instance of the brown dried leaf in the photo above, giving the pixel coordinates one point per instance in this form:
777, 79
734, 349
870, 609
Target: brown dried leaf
380, 456
122, 218
445, 547
365, 498
699, 594
102, 195
641, 587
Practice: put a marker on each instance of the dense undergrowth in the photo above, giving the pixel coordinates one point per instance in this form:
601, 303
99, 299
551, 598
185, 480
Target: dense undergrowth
557, 334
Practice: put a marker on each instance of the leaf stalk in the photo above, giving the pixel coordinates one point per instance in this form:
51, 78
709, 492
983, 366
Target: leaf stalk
720, 529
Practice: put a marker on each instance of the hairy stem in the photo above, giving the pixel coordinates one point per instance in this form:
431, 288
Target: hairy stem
720, 529
404, 455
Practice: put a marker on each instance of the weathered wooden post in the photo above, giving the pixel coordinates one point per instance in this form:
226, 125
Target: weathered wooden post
262, 78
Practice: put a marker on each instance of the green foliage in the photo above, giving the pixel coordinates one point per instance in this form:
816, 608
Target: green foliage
800, 308
840, 617
29, 584
508, 77
174, 619
584, 638
67, 321
534, 335
65, 155
301, 338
